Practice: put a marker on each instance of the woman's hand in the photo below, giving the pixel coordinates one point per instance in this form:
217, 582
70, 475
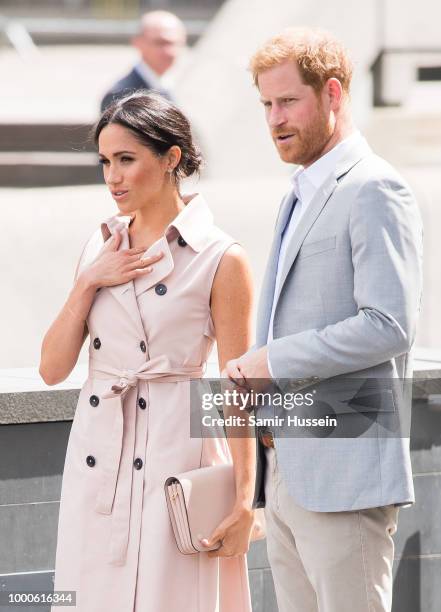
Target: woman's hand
113, 267
233, 534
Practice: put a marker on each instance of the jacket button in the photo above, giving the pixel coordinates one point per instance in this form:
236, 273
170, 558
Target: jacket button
90, 461
94, 400
160, 289
138, 463
97, 343
142, 403
142, 346
181, 242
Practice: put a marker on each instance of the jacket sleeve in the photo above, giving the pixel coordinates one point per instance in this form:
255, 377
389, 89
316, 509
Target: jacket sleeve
385, 233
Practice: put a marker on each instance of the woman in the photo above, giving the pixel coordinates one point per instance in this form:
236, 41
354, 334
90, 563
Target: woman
154, 288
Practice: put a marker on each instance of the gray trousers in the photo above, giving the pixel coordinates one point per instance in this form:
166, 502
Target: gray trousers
327, 561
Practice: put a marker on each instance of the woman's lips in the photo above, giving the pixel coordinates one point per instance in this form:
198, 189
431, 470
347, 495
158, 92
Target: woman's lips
119, 194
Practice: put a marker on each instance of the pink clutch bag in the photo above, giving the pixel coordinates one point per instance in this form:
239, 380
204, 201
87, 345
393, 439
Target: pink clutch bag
197, 502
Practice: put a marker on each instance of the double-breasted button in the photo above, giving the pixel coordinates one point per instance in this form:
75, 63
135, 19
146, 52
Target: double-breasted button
97, 343
181, 242
160, 289
138, 463
90, 460
142, 346
94, 400
142, 403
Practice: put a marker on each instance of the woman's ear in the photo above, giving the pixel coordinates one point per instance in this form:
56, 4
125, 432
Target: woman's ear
174, 157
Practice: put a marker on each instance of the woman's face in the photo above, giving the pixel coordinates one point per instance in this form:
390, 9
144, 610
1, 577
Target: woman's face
133, 173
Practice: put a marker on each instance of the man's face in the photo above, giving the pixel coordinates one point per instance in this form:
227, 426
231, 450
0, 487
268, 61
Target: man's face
300, 121
160, 46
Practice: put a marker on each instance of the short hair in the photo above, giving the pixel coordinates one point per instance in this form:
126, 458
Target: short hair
318, 55
158, 124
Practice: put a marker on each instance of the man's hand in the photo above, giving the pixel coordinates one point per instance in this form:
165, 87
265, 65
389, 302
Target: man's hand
233, 534
250, 371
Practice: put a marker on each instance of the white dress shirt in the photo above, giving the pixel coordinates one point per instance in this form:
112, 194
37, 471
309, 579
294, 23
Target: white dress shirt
305, 184
149, 75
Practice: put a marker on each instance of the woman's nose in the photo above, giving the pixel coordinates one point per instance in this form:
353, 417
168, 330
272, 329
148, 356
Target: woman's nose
113, 176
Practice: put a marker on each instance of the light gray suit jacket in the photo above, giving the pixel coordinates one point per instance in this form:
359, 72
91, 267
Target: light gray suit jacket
347, 305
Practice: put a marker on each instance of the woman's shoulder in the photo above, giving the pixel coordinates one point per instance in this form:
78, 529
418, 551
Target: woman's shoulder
218, 235
91, 249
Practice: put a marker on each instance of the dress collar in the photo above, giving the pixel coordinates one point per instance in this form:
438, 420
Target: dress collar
193, 223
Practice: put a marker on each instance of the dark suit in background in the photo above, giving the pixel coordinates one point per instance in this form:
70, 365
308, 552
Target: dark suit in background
129, 84
159, 42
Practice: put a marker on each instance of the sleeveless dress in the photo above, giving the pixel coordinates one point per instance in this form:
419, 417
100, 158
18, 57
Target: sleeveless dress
131, 431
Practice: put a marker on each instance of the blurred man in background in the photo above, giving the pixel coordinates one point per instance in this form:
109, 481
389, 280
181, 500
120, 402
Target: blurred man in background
160, 41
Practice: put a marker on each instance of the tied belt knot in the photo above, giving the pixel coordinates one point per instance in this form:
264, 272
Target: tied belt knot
129, 378
112, 475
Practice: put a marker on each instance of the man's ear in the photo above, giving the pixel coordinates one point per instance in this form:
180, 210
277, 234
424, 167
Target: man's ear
333, 92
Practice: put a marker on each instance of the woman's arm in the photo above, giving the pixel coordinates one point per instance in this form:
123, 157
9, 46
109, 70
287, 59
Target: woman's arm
231, 307
65, 337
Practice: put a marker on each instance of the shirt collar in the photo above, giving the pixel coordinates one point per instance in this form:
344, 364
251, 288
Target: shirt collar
193, 223
315, 175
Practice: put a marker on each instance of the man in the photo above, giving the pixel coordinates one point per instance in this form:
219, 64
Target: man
340, 296
160, 41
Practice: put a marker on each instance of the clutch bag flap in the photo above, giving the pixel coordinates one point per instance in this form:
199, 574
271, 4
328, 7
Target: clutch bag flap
198, 501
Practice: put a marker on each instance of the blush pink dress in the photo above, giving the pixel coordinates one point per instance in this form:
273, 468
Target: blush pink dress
148, 338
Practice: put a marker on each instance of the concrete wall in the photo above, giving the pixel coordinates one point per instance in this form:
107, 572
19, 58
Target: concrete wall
31, 465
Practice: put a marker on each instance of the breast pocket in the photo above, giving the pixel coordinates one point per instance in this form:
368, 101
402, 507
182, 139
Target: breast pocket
318, 246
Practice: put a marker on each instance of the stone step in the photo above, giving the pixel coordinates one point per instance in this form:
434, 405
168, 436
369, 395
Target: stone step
406, 138
48, 169
45, 137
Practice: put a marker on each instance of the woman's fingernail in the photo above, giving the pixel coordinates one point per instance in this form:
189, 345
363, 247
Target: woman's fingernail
149, 269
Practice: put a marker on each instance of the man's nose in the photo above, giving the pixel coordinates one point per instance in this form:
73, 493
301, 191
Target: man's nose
276, 116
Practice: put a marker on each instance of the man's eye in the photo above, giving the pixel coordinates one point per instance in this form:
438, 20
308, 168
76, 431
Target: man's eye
289, 100
267, 104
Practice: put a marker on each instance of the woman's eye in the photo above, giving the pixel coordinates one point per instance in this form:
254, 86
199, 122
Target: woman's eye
103, 161
126, 159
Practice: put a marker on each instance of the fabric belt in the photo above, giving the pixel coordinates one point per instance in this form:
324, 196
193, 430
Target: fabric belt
160, 370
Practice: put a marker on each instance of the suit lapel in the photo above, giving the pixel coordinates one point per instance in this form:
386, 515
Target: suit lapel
348, 161
306, 222
269, 281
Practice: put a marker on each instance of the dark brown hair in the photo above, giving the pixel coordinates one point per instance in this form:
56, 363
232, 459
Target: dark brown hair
158, 124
